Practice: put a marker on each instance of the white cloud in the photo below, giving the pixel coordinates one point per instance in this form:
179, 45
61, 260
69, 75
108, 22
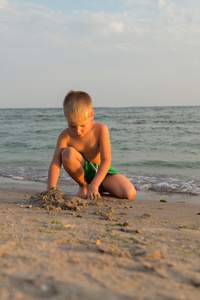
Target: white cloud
62, 48
117, 26
162, 3
167, 6
2, 4
31, 25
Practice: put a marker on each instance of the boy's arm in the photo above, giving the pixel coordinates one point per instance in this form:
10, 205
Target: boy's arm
55, 166
105, 153
53, 174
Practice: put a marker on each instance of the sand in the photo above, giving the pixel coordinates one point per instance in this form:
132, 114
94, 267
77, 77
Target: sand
105, 249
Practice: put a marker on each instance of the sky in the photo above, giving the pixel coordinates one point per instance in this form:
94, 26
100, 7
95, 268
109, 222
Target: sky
122, 52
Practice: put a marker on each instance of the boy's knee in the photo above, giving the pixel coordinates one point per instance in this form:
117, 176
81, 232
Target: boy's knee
131, 194
67, 154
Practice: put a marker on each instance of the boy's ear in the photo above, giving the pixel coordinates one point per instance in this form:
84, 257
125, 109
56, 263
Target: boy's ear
92, 114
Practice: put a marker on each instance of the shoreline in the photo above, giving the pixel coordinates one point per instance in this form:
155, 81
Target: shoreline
34, 186
112, 248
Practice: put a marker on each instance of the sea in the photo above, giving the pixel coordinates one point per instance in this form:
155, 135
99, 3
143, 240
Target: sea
157, 148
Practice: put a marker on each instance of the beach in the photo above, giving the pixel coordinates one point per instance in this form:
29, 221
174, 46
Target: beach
145, 248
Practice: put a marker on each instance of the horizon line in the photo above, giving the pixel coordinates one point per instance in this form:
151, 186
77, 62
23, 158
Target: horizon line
118, 107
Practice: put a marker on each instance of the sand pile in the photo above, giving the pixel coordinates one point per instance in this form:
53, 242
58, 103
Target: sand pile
54, 199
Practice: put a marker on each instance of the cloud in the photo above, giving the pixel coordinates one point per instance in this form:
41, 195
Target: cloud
43, 50
161, 3
34, 26
2, 4
116, 26
30, 25
167, 6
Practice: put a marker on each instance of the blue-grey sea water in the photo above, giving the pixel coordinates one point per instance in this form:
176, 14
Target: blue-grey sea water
157, 148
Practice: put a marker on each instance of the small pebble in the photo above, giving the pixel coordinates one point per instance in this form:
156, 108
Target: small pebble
180, 297
126, 223
153, 255
196, 281
71, 213
98, 242
44, 287
28, 205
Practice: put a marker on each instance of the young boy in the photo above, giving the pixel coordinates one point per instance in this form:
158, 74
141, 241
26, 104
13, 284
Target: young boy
84, 150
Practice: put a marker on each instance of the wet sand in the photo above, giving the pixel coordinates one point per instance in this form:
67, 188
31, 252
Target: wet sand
105, 249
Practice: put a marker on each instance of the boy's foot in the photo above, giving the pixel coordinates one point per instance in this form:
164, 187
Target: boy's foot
82, 191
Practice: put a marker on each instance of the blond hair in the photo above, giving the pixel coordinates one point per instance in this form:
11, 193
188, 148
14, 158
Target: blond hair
77, 105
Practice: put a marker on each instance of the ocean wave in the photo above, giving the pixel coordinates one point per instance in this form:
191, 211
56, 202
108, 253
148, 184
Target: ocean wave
166, 185
16, 145
167, 164
141, 183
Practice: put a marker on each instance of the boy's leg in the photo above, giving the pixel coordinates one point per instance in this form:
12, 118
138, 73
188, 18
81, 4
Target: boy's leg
119, 186
73, 163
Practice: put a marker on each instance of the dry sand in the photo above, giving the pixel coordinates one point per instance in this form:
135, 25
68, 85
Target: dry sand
105, 249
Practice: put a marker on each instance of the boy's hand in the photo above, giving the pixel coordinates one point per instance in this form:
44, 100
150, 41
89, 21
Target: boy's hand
93, 192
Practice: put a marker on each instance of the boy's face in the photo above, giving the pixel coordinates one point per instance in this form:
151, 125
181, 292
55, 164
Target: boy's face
81, 127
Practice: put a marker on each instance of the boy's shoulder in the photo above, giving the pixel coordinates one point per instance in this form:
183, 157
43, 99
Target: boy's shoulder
101, 129
64, 134
100, 125
97, 126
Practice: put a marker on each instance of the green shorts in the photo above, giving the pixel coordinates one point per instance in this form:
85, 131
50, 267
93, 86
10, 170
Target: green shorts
90, 170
